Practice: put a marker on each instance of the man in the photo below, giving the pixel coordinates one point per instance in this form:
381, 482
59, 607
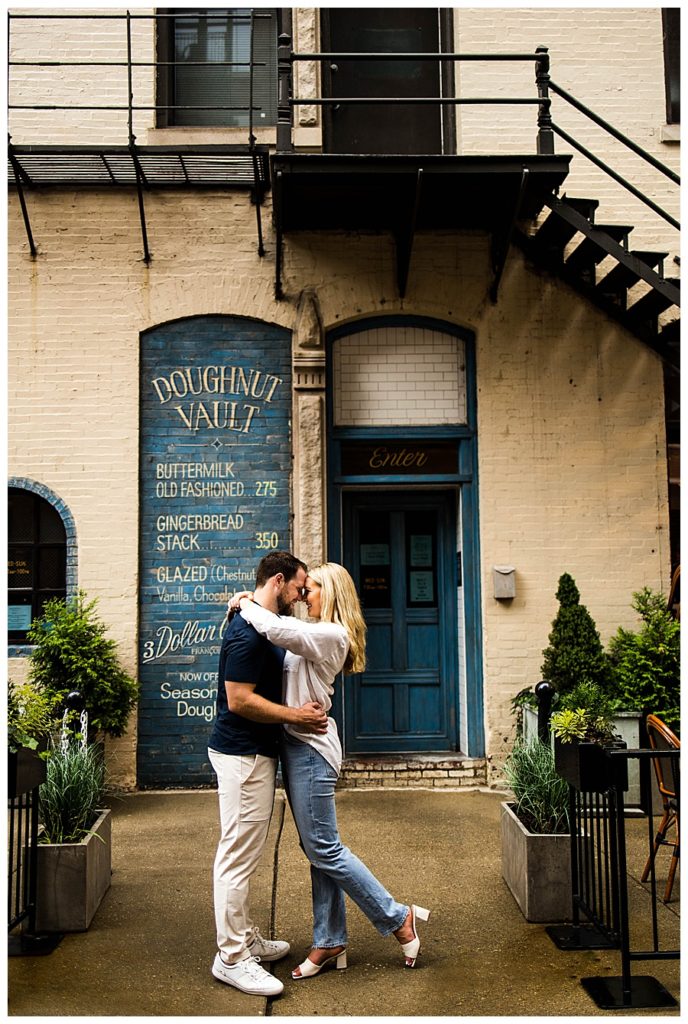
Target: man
243, 750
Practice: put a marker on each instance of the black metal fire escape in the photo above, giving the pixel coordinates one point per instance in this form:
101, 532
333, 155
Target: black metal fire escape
243, 166
503, 196
399, 194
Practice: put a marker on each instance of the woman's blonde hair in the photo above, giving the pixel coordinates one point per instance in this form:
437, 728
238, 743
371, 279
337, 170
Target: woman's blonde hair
339, 603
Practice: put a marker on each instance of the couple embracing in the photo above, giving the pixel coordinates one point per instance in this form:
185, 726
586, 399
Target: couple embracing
275, 687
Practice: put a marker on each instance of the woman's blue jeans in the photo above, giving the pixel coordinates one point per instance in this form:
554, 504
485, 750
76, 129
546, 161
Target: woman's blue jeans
310, 781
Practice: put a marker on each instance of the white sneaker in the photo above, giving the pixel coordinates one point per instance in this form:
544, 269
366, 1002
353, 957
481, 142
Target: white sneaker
248, 976
268, 949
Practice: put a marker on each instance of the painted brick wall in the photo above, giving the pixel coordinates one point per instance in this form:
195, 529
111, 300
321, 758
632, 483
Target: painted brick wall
399, 376
572, 467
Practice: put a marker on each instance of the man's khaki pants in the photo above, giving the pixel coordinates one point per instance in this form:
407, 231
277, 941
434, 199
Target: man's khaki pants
246, 791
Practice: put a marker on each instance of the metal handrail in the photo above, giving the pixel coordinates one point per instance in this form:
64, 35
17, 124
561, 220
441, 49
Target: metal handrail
129, 64
614, 131
617, 177
287, 101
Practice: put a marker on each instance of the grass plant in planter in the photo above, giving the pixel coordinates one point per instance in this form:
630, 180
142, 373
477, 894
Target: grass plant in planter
74, 852
536, 842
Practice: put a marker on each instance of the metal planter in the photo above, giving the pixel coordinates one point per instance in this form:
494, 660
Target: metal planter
586, 767
25, 771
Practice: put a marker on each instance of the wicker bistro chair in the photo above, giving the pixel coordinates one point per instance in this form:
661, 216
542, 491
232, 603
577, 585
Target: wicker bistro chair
667, 773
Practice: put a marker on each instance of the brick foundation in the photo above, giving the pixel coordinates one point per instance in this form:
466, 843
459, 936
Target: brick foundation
420, 771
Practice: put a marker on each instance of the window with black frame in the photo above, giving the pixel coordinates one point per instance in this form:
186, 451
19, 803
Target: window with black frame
36, 560
212, 61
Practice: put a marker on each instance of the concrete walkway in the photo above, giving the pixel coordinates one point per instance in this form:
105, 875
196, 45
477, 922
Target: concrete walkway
149, 950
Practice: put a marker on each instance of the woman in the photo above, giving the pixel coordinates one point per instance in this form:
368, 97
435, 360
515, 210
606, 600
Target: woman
316, 652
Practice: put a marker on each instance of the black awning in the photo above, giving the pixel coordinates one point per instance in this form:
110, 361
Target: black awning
407, 194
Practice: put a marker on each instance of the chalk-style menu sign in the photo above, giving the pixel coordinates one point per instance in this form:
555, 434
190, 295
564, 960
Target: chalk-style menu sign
214, 468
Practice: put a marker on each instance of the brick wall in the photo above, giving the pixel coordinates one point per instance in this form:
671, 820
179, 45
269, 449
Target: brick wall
399, 375
572, 471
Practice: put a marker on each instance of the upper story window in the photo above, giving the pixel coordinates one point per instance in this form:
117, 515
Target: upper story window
36, 559
671, 31
207, 56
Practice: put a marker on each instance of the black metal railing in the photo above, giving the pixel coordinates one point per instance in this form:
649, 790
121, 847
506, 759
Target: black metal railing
22, 841
620, 137
600, 907
546, 127
129, 64
287, 101
601, 914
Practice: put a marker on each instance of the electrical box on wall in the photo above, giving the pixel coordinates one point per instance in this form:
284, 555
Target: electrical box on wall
504, 577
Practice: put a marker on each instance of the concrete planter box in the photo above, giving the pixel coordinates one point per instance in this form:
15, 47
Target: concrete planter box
537, 869
73, 878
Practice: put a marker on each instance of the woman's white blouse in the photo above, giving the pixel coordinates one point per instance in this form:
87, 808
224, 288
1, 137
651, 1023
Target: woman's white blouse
316, 652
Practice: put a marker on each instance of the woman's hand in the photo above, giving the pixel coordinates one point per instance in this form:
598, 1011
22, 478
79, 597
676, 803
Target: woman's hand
235, 600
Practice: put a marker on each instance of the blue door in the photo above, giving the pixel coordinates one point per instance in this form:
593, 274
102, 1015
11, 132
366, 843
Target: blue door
400, 547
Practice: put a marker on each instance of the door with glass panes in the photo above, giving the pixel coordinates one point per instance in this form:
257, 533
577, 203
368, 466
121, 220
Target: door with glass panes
400, 548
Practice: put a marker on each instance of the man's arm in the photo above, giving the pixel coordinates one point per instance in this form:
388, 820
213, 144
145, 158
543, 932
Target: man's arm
242, 700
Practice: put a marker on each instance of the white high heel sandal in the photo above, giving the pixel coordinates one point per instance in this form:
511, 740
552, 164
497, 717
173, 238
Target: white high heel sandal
309, 969
412, 948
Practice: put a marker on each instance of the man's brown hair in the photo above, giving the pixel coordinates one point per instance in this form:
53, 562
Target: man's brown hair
278, 561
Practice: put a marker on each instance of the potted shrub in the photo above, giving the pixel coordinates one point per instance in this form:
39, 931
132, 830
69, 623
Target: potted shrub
646, 665
74, 851
582, 729
31, 718
536, 842
574, 653
574, 657
72, 652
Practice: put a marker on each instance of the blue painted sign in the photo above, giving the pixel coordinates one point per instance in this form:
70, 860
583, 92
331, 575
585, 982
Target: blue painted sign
215, 459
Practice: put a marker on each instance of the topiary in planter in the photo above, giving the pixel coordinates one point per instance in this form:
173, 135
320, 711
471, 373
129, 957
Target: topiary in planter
72, 652
575, 653
646, 665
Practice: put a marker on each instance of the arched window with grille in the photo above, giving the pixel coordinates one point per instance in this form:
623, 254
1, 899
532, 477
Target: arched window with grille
38, 534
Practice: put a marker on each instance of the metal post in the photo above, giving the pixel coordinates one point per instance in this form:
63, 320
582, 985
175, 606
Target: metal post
257, 191
130, 84
544, 692
545, 139
284, 72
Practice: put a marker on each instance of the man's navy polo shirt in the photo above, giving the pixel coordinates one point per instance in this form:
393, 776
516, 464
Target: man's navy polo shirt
247, 657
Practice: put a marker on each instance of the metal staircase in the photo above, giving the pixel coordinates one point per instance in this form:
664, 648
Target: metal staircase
595, 259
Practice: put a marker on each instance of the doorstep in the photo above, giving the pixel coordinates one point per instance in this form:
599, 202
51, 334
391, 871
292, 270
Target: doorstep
413, 771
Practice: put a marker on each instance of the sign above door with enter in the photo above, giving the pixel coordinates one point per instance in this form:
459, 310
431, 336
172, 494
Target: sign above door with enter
413, 459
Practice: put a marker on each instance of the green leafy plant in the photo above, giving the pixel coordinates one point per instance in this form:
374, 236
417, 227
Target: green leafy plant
646, 664
72, 652
72, 793
585, 714
542, 796
575, 653
32, 714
